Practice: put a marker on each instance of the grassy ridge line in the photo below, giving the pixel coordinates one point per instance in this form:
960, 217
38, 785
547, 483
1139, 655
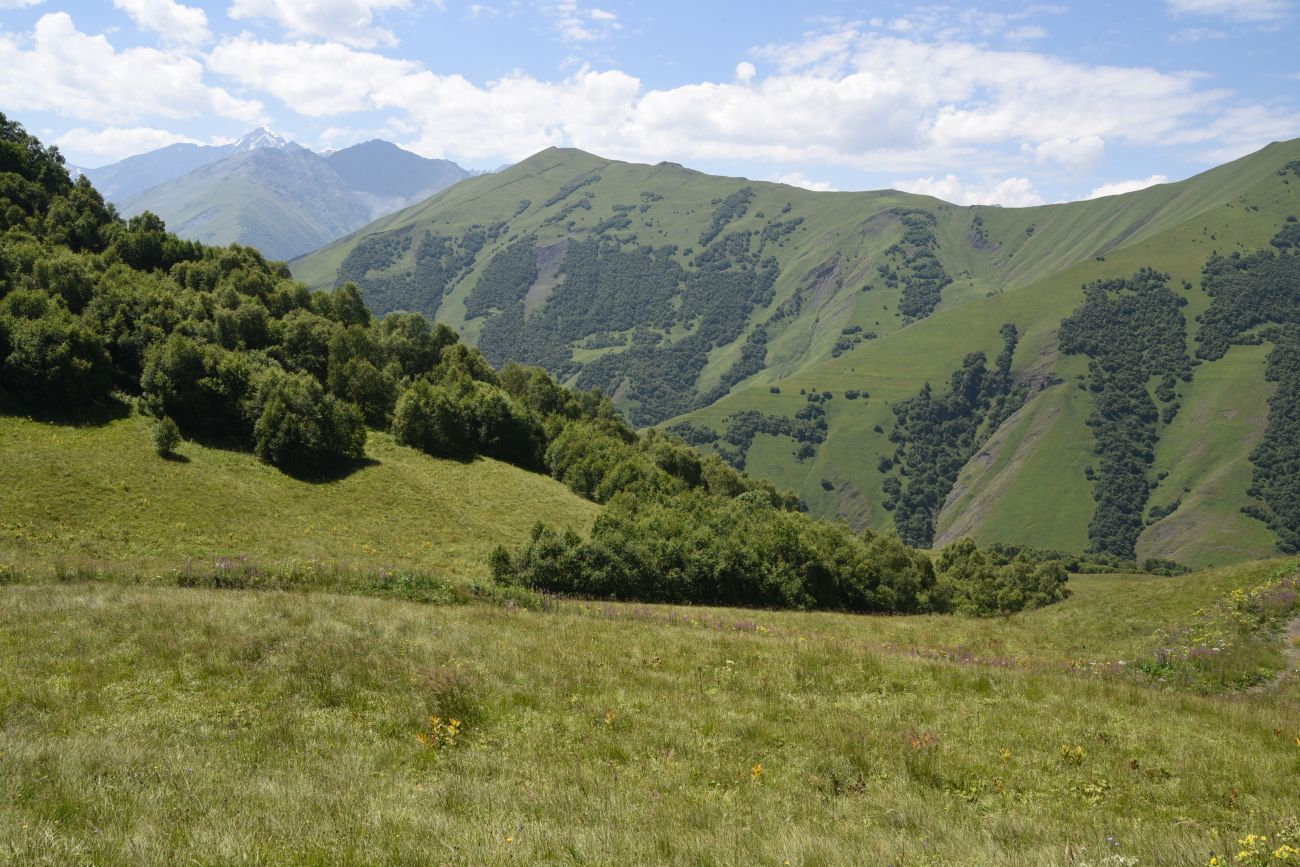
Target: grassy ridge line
282, 728
100, 495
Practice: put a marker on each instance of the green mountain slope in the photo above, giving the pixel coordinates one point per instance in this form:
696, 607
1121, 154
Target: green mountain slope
717, 301
98, 496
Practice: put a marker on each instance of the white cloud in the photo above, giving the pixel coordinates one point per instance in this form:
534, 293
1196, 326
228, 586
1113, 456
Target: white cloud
351, 22
576, 23
1072, 154
1240, 130
175, 23
114, 143
946, 23
1233, 10
846, 99
58, 68
19, 4
1009, 192
1117, 188
317, 79
799, 179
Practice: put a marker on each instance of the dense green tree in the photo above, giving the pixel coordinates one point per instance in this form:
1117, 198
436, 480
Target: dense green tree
51, 359
204, 388
302, 429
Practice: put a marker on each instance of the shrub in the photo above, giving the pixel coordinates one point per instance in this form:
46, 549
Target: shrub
984, 582
166, 436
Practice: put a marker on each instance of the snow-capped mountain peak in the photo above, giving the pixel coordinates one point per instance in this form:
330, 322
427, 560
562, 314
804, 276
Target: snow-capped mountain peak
259, 138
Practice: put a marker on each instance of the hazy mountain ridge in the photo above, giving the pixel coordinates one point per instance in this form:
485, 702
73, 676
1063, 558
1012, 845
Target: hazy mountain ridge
284, 206
834, 292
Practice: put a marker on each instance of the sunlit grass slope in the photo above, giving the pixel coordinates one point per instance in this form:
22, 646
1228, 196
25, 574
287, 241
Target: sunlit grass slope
155, 725
100, 495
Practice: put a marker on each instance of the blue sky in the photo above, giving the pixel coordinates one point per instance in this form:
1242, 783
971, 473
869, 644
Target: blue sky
1009, 103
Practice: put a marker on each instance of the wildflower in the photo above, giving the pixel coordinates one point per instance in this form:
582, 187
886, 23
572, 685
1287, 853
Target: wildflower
1005, 754
757, 771
609, 717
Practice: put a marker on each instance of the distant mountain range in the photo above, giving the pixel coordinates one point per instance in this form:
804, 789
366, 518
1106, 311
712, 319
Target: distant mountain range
268, 192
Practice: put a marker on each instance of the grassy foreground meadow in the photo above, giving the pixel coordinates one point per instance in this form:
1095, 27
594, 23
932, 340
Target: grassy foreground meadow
171, 725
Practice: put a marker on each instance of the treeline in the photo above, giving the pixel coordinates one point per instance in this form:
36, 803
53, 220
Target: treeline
1276, 480
1256, 297
697, 548
1133, 331
937, 435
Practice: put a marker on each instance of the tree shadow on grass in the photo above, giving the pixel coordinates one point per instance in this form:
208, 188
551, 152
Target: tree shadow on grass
315, 476
96, 415
329, 475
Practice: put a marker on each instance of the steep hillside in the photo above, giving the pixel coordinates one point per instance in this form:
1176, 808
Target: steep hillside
727, 304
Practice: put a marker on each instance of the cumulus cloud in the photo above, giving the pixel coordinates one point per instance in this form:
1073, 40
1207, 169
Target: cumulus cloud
1072, 154
1117, 188
844, 98
58, 68
351, 22
1009, 192
1233, 10
799, 179
174, 22
317, 79
19, 4
114, 143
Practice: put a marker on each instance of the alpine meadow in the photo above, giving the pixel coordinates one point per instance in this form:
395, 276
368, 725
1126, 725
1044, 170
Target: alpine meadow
823, 477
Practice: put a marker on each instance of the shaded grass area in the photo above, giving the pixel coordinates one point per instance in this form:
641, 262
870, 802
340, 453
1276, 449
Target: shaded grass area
143, 725
98, 498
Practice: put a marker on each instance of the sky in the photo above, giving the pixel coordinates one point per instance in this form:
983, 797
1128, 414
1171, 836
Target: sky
992, 102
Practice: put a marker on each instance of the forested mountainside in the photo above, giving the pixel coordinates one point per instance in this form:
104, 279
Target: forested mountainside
897, 360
